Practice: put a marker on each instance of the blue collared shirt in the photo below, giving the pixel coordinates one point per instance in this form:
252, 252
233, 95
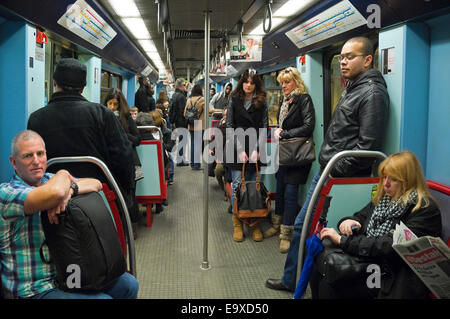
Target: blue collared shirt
23, 273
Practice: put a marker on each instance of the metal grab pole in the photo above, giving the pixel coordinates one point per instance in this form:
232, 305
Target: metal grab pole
205, 263
109, 176
316, 192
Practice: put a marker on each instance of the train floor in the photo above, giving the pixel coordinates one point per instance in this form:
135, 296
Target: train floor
170, 253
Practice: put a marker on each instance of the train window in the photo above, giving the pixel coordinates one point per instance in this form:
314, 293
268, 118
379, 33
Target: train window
337, 82
109, 81
274, 95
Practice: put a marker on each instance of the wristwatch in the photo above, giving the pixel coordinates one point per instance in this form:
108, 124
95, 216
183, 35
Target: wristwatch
74, 186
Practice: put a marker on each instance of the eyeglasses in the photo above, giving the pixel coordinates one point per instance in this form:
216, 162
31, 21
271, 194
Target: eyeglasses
349, 57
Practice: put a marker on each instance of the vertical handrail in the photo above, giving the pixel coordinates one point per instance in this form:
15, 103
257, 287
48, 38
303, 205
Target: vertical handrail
322, 179
205, 262
109, 176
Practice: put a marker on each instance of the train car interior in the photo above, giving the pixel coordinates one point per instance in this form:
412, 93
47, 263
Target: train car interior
184, 247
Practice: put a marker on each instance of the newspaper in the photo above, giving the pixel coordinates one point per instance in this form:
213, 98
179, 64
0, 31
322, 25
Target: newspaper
428, 257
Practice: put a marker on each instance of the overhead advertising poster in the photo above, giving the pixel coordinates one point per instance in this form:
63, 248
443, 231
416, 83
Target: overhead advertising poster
251, 49
336, 20
82, 20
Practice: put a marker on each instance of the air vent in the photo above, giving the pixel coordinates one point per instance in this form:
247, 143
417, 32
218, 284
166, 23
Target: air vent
195, 34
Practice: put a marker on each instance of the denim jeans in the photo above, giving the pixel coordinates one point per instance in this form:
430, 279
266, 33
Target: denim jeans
171, 168
289, 278
126, 287
196, 152
286, 199
236, 178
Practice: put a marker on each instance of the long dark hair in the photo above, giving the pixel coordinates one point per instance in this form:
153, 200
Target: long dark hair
197, 90
260, 99
124, 109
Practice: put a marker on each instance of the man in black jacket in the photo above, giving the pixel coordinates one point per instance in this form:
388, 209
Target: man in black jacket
176, 115
358, 123
143, 98
70, 125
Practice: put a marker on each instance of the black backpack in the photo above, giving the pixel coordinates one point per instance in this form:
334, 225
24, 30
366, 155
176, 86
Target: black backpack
84, 244
191, 112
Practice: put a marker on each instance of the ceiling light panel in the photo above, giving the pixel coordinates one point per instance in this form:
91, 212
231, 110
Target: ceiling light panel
125, 8
137, 28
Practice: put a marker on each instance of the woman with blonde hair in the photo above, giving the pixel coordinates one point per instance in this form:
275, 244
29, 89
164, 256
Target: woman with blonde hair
402, 196
295, 119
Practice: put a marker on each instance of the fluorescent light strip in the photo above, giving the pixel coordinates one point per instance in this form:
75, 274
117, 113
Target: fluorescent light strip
125, 8
137, 28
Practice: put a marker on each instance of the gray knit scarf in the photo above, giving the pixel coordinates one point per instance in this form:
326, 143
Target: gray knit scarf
385, 213
285, 108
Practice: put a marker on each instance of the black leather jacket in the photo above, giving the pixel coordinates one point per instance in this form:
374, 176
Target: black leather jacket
176, 109
358, 123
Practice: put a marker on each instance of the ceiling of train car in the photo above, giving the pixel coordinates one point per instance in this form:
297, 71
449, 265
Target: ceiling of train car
187, 24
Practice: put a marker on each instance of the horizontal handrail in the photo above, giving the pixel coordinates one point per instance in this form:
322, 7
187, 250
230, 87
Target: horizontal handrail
322, 179
150, 127
109, 176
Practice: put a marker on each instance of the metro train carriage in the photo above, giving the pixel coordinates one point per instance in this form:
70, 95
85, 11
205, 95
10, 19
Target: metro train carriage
180, 220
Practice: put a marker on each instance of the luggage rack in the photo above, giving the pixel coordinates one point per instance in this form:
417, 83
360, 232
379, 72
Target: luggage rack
325, 190
129, 233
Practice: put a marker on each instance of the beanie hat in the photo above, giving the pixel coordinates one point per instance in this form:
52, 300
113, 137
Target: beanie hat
70, 73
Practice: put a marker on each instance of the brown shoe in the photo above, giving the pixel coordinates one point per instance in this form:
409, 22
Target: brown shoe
256, 233
238, 234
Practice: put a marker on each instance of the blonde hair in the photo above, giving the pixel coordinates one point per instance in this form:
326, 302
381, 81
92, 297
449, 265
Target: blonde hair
406, 169
292, 73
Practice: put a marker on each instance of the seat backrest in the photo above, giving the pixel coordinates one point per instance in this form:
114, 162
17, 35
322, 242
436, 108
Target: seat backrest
153, 184
441, 194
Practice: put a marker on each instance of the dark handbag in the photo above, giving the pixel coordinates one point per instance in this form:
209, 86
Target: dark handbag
296, 151
251, 198
85, 239
338, 267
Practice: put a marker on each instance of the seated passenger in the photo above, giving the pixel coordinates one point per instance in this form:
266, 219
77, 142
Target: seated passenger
31, 190
403, 195
168, 143
134, 112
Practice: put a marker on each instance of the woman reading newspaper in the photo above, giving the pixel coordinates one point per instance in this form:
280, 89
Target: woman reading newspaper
403, 195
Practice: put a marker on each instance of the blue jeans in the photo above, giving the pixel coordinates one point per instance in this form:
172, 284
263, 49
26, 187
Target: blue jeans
196, 152
171, 167
236, 178
126, 287
289, 278
286, 199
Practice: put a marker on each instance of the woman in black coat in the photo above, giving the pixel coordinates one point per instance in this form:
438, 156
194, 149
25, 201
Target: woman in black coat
247, 111
403, 195
295, 119
116, 102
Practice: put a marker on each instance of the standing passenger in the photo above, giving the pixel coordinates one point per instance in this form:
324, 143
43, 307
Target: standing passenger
176, 115
72, 126
358, 123
117, 103
143, 98
295, 119
247, 110
197, 101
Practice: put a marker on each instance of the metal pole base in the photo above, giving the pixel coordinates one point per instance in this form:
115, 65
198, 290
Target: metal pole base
205, 266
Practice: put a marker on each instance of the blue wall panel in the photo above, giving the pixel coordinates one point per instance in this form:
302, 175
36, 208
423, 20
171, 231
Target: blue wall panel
13, 99
438, 159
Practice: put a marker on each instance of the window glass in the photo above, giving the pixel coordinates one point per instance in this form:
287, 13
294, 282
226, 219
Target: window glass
109, 81
337, 82
274, 94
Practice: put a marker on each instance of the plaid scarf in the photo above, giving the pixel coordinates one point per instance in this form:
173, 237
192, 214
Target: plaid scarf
285, 108
384, 214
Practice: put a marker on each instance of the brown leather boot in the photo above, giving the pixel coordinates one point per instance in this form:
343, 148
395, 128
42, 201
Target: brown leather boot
238, 234
275, 228
286, 234
256, 233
